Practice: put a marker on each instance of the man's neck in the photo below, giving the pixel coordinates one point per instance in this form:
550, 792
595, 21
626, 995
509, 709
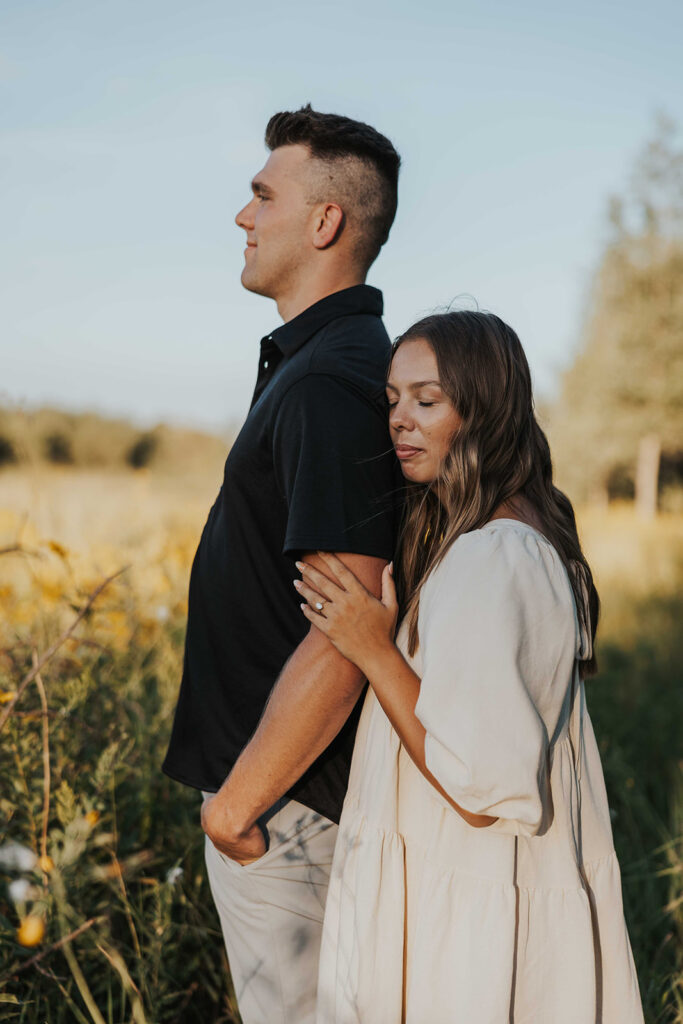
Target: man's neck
291, 305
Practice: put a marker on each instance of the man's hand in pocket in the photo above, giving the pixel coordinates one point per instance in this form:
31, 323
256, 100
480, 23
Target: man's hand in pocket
242, 846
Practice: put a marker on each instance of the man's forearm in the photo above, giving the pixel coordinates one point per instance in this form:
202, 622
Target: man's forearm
311, 701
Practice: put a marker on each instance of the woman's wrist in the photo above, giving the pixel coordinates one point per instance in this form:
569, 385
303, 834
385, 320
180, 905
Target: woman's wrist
380, 660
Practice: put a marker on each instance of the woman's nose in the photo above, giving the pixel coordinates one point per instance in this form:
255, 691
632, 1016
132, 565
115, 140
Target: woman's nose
399, 417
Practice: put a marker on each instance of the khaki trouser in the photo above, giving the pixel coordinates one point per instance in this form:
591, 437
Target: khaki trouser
271, 914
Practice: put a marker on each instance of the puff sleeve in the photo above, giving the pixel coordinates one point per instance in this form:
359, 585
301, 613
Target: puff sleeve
497, 640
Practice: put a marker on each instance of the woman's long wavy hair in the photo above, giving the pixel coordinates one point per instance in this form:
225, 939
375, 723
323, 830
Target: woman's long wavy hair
498, 454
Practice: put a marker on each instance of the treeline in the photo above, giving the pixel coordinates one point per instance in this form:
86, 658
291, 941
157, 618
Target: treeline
53, 436
617, 428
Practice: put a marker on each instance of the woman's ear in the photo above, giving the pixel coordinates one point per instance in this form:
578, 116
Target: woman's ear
328, 224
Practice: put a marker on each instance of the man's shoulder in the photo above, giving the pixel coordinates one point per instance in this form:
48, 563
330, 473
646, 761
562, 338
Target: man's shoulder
355, 346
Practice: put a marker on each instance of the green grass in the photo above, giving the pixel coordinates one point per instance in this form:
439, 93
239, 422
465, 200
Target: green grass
109, 720
636, 704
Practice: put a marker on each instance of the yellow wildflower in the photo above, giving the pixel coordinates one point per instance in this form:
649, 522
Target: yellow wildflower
92, 817
52, 591
31, 930
46, 864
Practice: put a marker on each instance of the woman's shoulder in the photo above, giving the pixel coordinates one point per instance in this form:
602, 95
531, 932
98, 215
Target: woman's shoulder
505, 580
504, 554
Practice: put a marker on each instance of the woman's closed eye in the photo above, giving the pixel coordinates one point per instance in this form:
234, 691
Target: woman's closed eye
425, 405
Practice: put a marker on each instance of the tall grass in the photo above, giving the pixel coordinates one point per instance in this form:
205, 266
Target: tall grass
124, 840
636, 703
130, 931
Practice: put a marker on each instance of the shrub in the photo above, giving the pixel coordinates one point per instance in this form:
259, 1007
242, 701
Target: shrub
8, 453
142, 452
58, 449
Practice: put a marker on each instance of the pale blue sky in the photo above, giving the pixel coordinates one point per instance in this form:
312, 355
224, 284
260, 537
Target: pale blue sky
129, 132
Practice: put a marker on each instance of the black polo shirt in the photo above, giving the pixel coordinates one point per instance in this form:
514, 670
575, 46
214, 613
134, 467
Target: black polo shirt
312, 469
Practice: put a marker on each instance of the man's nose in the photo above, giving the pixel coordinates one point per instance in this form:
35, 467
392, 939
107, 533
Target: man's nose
244, 218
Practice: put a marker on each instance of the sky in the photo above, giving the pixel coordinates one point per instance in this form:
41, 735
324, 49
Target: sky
129, 133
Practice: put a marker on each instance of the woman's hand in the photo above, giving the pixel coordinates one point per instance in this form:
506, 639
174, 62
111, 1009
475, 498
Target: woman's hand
359, 626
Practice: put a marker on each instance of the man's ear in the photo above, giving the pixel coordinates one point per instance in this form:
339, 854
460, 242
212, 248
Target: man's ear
328, 225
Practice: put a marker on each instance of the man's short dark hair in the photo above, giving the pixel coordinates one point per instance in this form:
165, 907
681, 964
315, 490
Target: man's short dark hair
362, 171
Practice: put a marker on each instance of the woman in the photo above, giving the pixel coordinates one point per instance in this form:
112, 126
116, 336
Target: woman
474, 879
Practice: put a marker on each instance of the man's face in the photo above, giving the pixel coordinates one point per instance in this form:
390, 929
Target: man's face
278, 221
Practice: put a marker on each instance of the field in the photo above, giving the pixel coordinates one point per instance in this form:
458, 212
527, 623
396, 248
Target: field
105, 913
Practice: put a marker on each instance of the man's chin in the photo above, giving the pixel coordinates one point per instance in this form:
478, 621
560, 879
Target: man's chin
251, 282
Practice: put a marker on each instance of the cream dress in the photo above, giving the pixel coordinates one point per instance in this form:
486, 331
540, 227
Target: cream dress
431, 921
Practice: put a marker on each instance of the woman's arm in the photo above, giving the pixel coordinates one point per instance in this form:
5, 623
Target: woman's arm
362, 629
397, 688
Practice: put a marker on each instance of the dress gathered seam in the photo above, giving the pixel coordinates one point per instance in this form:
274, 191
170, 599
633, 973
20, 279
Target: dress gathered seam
361, 820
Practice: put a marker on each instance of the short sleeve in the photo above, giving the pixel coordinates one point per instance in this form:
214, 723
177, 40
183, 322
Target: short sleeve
497, 637
335, 466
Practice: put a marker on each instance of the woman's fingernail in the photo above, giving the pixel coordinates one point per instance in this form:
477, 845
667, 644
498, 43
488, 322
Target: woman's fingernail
303, 606
300, 566
297, 583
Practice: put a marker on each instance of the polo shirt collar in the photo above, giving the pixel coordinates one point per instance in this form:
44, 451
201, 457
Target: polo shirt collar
359, 299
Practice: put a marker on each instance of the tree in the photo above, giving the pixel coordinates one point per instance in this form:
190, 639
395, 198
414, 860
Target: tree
142, 452
58, 448
621, 404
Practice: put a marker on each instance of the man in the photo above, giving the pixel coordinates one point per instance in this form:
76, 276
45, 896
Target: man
267, 709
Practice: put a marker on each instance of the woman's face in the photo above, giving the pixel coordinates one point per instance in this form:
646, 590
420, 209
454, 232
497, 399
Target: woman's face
422, 420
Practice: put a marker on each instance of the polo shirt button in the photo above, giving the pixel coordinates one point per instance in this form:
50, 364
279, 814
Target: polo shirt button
270, 337
265, 365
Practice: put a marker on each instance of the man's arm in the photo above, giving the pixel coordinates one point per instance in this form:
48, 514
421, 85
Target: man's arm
313, 697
